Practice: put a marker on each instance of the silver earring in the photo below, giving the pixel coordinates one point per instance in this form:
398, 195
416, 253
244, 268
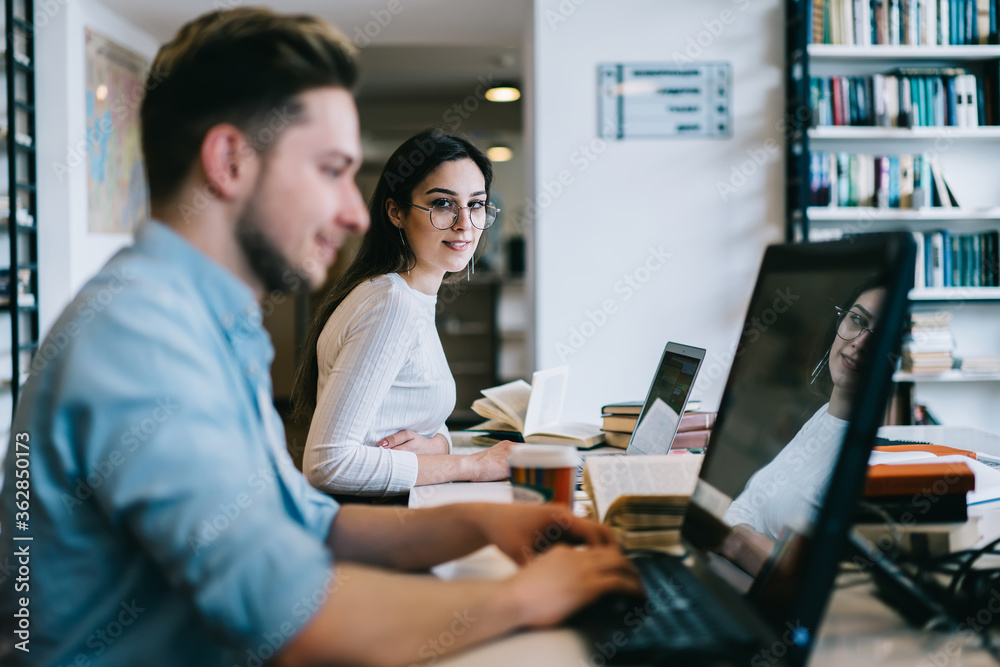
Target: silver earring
470, 268
819, 367
403, 239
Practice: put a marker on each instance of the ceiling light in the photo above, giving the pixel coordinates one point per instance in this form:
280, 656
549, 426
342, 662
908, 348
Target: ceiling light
503, 93
499, 153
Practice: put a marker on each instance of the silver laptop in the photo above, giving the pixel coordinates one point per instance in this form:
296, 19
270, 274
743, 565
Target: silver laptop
665, 402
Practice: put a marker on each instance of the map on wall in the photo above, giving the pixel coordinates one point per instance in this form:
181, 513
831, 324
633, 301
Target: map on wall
116, 182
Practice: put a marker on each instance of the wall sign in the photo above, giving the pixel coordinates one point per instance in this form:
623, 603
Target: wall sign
664, 100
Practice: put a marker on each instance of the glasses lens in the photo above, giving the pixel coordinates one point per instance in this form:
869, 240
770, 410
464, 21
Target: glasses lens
443, 217
852, 325
484, 216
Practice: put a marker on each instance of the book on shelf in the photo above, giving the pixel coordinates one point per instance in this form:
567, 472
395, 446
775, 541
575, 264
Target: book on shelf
974, 365
959, 260
534, 412
643, 498
904, 182
904, 22
908, 97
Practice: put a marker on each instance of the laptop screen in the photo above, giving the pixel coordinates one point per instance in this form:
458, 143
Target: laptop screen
665, 402
810, 373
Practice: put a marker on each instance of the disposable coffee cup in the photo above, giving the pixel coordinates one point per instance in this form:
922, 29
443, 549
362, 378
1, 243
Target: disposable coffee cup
543, 473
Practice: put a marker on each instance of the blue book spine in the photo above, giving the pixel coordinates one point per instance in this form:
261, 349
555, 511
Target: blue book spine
957, 21
894, 181
974, 27
994, 27
957, 277
928, 260
939, 115
946, 257
843, 179
950, 101
981, 103
977, 263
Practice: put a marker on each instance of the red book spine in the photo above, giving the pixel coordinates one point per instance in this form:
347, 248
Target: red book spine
691, 440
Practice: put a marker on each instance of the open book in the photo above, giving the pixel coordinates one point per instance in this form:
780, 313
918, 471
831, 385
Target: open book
643, 498
533, 412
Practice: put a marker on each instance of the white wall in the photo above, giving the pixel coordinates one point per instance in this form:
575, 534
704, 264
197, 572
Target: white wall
637, 198
68, 253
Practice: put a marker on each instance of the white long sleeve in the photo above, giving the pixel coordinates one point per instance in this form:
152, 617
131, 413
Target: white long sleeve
381, 370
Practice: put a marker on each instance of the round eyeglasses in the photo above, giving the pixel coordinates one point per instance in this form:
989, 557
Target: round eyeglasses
852, 324
445, 215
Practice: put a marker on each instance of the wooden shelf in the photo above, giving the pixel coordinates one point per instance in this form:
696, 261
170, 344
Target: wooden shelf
947, 376
866, 213
866, 133
955, 294
842, 52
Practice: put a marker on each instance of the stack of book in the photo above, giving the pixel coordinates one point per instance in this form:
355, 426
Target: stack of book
921, 501
910, 22
908, 97
929, 345
878, 181
620, 419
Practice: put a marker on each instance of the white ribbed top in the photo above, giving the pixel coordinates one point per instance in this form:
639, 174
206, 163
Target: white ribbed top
381, 370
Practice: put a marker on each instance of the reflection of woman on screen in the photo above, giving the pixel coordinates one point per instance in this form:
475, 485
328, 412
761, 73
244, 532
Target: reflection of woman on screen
787, 491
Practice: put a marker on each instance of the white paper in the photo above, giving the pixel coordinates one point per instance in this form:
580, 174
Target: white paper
650, 435
545, 407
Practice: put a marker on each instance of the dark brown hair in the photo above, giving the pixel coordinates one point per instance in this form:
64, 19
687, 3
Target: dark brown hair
240, 66
382, 250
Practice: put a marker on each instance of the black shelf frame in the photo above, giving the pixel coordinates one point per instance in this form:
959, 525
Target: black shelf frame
22, 185
798, 118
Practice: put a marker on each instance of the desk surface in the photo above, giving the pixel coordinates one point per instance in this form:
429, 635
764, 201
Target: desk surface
857, 629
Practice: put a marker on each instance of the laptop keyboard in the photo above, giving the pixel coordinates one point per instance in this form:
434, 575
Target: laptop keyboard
678, 617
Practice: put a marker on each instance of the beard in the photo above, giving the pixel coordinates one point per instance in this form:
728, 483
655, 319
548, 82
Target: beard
266, 262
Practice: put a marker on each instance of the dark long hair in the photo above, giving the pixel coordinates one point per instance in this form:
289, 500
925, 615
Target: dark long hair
382, 250
822, 381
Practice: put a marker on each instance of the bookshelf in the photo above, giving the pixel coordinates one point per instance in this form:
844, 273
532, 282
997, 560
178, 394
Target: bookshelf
19, 296
861, 118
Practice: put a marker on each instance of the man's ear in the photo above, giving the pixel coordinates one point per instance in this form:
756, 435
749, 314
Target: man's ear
394, 212
228, 161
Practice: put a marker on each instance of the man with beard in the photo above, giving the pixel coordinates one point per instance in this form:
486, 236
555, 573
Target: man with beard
167, 523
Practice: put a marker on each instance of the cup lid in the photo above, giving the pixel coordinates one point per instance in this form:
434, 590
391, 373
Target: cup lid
543, 456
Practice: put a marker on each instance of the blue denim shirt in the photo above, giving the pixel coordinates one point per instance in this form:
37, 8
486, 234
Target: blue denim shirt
168, 524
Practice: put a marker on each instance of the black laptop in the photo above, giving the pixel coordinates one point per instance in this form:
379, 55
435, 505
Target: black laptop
785, 465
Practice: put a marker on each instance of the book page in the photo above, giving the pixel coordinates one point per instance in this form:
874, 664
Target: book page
512, 398
545, 407
611, 477
571, 430
653, 433
487, 409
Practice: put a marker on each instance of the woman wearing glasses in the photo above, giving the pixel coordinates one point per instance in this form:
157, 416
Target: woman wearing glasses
789, 486
375, 381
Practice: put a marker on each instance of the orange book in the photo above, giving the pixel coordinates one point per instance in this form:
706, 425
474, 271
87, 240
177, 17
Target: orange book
934, 478
937, 450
